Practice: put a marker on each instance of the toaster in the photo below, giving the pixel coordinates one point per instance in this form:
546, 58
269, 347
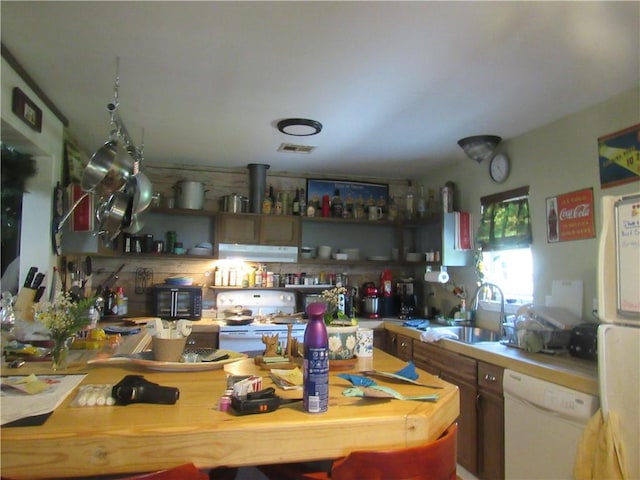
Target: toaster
583, 342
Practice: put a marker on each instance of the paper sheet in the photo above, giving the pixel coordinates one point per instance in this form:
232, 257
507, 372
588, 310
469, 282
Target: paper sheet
17, 405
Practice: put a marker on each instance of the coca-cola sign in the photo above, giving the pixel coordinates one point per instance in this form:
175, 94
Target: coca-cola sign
579, 211
570, 216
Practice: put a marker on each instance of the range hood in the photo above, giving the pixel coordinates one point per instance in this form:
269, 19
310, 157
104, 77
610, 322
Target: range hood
258, 253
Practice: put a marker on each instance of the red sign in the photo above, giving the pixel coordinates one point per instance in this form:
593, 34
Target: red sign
82, 217
570, 216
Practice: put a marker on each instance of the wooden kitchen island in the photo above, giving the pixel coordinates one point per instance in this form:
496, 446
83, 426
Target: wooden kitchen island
90, 441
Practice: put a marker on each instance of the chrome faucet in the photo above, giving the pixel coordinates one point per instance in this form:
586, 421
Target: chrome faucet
476, 295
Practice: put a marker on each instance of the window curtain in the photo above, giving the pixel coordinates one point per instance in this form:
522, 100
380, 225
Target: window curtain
505, 222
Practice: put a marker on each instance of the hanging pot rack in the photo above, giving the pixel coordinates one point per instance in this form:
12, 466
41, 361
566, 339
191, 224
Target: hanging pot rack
129, 190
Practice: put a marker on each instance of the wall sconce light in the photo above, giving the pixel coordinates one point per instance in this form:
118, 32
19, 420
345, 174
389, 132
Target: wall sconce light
299, 127
479, 147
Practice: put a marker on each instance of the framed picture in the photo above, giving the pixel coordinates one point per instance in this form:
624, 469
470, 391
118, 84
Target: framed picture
355, 193
619, 157
26, 110
570, 216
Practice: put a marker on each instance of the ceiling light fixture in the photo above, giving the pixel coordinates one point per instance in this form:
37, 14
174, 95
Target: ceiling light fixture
479, 147
299, 127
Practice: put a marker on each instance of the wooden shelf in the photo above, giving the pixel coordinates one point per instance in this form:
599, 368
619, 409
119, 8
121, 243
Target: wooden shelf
320, 261
167, 256
416, 223
182, 211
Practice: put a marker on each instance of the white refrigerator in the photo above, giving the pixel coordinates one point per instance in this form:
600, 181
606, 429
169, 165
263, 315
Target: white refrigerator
619, 312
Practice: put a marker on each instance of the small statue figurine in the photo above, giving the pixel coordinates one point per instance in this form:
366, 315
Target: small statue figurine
271, 344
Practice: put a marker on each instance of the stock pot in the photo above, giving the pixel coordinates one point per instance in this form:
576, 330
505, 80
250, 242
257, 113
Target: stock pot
234, 203
190, 194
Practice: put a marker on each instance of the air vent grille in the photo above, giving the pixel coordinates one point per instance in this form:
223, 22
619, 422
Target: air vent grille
293, 148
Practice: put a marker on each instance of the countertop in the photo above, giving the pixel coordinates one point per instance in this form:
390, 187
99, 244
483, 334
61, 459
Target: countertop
82, 442
562, 369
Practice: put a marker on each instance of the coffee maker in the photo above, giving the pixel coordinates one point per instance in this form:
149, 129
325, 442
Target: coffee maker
370, 300
407, 301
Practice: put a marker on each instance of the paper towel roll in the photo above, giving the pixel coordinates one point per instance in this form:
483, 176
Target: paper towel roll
436, 277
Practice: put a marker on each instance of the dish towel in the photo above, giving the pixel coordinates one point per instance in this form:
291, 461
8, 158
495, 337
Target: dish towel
416, 323
433, 335
600, 454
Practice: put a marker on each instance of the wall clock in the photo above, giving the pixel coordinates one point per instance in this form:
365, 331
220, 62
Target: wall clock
499, 168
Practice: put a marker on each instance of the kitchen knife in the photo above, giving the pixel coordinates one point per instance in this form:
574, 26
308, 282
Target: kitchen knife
39, 293
30, 275
38, 281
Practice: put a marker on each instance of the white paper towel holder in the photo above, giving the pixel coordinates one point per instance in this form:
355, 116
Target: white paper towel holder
441, 277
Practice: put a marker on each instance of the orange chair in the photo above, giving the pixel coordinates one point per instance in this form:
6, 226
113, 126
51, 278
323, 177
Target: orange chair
433, 461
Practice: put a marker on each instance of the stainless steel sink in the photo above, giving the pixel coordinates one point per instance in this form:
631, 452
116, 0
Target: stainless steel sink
473, 335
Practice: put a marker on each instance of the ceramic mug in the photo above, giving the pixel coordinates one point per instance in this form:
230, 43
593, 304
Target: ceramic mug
375, 213
364, 345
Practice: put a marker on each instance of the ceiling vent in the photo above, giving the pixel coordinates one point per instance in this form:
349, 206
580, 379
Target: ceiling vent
292, 148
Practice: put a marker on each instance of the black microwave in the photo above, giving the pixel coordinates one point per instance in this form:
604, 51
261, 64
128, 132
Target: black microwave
172, 302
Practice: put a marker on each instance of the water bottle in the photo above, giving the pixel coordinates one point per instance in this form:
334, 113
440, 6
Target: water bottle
315, 387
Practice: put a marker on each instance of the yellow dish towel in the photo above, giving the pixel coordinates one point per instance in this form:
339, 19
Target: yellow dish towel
600, 455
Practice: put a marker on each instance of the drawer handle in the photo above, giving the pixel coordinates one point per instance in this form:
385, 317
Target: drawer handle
403, 344
490, 378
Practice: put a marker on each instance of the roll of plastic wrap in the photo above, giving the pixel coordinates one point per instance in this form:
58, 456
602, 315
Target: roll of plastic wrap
436, 277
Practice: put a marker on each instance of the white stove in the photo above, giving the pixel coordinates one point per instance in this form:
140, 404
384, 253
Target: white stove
264, 304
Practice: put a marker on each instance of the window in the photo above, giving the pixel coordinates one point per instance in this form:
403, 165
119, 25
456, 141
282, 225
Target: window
512, 271
504, 236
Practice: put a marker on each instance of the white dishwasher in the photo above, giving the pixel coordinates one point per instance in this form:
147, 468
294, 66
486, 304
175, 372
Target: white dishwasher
543, 423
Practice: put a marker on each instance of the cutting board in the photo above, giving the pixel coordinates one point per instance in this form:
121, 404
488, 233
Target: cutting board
567, 294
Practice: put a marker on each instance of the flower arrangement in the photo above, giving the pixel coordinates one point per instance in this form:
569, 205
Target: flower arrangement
63, 319
341, 329
333, 316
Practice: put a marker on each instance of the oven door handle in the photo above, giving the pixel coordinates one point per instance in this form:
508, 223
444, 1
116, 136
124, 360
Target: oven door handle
239, 335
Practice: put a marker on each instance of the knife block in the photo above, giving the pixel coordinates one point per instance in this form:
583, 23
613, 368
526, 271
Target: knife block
23, 307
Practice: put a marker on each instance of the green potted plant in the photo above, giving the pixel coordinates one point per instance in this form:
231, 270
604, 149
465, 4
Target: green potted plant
341, 329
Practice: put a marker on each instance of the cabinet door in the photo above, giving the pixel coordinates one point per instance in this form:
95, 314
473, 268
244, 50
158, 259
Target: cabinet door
400, 346
490, 422
380, 339
462, 372
280, 230
243, 229
467, 423
404, 347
